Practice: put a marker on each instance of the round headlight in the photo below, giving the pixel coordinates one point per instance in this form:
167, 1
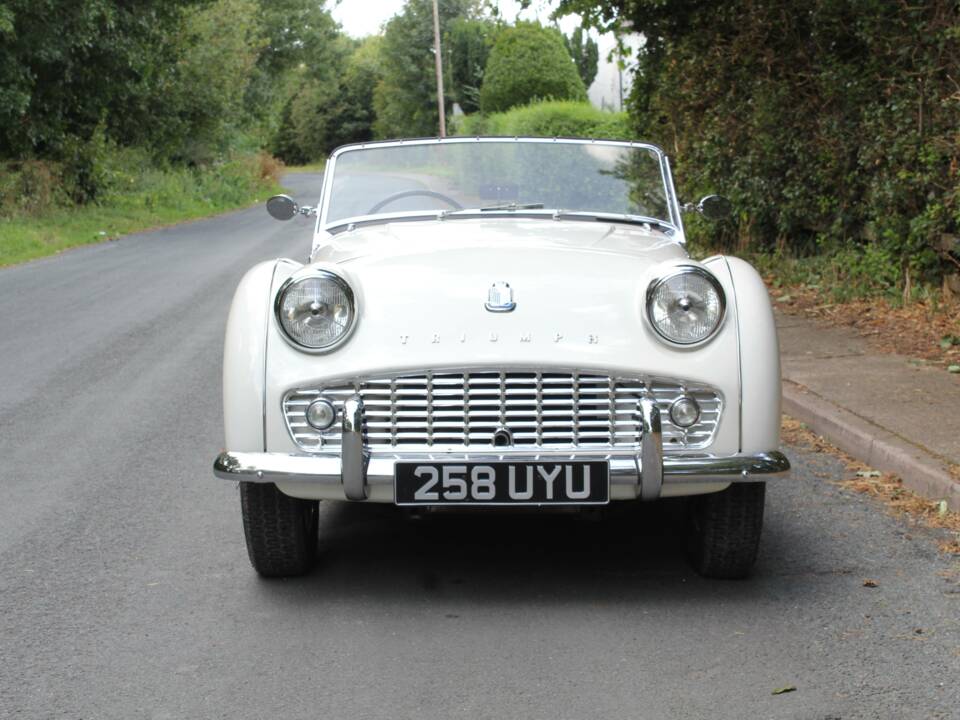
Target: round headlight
317, 311
686, 306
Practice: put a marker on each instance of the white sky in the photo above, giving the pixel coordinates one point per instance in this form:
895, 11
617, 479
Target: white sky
365, 17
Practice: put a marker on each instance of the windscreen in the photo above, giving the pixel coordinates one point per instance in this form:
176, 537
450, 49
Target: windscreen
548, 175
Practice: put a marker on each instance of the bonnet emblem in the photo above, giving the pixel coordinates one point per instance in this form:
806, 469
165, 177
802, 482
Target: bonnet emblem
500, 298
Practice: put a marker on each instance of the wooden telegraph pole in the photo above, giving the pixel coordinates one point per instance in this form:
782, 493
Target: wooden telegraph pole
438, 57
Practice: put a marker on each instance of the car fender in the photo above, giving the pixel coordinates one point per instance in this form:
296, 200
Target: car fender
759, 360
244, 356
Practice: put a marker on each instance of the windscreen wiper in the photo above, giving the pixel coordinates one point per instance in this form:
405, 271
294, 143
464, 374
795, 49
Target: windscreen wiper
512, 206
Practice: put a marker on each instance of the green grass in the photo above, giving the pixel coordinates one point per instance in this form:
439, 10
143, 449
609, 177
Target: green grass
138, 200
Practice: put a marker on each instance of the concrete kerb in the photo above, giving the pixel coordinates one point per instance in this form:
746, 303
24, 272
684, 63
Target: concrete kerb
921, 471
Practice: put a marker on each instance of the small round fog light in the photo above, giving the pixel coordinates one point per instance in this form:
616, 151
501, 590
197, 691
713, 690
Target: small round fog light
321, 414
685, 412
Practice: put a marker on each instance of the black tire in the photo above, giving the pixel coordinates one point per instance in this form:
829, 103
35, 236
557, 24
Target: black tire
281, 531
725, 527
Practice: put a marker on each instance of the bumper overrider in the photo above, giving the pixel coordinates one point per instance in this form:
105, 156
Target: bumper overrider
354, 468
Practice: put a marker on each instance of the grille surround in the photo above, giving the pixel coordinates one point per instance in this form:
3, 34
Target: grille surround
462, 410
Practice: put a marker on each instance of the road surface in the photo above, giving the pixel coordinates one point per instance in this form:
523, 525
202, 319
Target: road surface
125, 589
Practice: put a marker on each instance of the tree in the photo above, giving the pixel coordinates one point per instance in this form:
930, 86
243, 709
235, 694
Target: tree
529, 62
66, 68
468, 45
586, 56
406, 97
302, 45
198, 104
328, 112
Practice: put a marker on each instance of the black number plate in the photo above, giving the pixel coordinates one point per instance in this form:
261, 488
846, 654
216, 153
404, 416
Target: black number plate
502, 483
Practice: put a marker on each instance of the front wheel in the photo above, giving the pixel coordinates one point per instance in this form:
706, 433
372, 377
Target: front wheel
724, 533
281, 531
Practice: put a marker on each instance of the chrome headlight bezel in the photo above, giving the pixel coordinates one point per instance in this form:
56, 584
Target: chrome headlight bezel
311, 275
666, 277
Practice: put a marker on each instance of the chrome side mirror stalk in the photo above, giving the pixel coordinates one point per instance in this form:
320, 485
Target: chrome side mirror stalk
284, 207
712, 207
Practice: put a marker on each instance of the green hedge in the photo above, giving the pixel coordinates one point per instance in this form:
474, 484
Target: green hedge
555, 118
832, 125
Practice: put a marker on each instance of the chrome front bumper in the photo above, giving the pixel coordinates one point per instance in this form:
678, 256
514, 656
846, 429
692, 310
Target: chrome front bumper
355, 469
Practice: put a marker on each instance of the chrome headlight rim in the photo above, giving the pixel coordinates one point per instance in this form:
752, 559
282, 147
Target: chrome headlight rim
347, 290
672, 273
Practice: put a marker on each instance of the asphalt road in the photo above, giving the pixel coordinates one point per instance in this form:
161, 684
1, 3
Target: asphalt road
125, 590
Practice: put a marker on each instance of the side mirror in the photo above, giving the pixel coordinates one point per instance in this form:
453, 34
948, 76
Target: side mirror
282, 207
714, 207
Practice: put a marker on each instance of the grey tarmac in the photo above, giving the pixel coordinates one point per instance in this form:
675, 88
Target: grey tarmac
125, 589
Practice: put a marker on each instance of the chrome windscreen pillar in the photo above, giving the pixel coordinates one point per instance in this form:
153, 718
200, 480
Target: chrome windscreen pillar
651, 451
354, 460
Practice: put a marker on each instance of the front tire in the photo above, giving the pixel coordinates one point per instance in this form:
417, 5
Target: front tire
281, 531
725, 527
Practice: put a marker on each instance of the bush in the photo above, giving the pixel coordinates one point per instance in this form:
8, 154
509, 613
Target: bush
528, 63
550, 118
30, 187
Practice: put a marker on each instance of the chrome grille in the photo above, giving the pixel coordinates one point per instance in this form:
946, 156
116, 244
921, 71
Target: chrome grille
540, 409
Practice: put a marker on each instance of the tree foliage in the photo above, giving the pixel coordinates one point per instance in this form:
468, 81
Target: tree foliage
67, 67
585, 53
832, 124
332, 111
406, 97
302, 41
467, 46
527, 63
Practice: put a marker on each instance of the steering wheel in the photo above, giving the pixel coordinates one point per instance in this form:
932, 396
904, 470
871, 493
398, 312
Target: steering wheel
414, 193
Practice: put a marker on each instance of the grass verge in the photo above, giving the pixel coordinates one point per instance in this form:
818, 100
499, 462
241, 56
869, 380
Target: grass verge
141, 200
314, 167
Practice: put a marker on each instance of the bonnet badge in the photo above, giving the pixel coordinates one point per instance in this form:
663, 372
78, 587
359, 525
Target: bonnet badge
500, 298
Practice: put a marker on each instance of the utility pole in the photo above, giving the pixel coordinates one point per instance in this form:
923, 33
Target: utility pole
439, 60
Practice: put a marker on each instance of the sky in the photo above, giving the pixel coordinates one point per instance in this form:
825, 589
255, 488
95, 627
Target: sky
364, 17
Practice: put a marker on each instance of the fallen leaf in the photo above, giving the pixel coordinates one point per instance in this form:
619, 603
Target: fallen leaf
870, 583
784, 298
942, 508
781, 691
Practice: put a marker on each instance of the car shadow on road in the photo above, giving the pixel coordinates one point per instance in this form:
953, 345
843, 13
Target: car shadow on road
628, 552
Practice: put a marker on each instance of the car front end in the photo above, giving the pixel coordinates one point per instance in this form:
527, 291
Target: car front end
504, 358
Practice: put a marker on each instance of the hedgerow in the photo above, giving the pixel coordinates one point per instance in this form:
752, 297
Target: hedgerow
549, 119
833, 125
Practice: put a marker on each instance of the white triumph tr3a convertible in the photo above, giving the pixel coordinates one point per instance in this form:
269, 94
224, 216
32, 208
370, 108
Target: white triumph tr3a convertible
500, 322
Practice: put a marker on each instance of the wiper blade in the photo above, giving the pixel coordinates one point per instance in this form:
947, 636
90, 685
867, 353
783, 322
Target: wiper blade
509, 207
512, 206
614, 217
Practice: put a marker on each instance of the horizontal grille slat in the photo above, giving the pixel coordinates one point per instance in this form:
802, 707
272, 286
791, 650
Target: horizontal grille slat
550, 410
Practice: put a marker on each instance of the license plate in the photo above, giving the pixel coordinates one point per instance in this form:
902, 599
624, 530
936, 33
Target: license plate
502, 483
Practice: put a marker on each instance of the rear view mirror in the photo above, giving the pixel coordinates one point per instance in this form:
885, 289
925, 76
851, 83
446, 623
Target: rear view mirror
282, 207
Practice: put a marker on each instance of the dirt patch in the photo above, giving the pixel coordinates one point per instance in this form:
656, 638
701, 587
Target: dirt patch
885, 487
924, 330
